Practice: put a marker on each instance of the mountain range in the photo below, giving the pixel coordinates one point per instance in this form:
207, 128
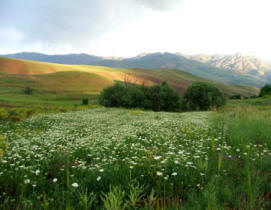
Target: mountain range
232, 69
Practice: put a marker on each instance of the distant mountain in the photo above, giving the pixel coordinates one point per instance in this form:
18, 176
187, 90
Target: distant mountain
238, 62
236, 69
191, 65
60, 59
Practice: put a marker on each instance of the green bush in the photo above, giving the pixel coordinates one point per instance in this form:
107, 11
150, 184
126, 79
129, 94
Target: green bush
237, 96
84, 101
265, 90
202, 96
28, 90
162, 98
158, 97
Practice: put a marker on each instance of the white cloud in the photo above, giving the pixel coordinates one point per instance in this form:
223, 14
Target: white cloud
127, 28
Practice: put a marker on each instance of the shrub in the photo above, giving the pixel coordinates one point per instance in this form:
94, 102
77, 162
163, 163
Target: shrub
158, 97
28, 90
84, 101
236, 96
162, 98
265, 90
113, 96
202, 96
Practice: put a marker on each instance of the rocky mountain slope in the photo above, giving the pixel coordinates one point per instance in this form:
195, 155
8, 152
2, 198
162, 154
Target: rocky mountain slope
238, 62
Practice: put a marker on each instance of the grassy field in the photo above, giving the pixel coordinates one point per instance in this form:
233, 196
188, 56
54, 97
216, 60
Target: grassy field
132, 159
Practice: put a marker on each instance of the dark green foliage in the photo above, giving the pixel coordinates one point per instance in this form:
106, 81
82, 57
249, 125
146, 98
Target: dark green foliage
202, 96
28, 90
265, 90
236, 96
113, 96
85, 101
158, 97
254, 96
162, 98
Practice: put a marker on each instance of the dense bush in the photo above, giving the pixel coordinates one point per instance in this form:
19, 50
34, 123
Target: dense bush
28, 90
84, 101
265, 90
237, 96
158, 97
202, 96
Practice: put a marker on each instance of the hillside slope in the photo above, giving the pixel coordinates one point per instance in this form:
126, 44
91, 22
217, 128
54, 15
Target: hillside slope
209, 67
16, 74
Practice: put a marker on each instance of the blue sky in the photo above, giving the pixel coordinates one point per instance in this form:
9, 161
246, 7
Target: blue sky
130, 27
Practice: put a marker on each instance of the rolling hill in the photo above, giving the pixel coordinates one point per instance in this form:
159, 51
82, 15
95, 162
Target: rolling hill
16, 74
219, 68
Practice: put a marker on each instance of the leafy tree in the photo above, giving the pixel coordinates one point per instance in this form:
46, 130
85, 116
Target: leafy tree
162, 98
28, 90
202, 96
113, 96
237, 96
158, 97
265, 90
85, 101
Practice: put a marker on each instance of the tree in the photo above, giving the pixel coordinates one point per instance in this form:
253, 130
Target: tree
158, 97
265, 90
202, 96
162, 98
236, 96
28, 90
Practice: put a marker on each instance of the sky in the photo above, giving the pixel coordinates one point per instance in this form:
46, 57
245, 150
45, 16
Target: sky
126, 28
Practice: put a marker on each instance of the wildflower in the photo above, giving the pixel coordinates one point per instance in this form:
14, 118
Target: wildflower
37, 172
55, 180
101, 170
99, 178
27, 181
180, 152
75, 185
174, 174
157, 157
158, 173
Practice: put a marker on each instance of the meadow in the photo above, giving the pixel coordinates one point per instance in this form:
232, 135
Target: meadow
106, 158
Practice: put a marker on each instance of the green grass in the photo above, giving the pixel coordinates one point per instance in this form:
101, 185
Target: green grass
134, 159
